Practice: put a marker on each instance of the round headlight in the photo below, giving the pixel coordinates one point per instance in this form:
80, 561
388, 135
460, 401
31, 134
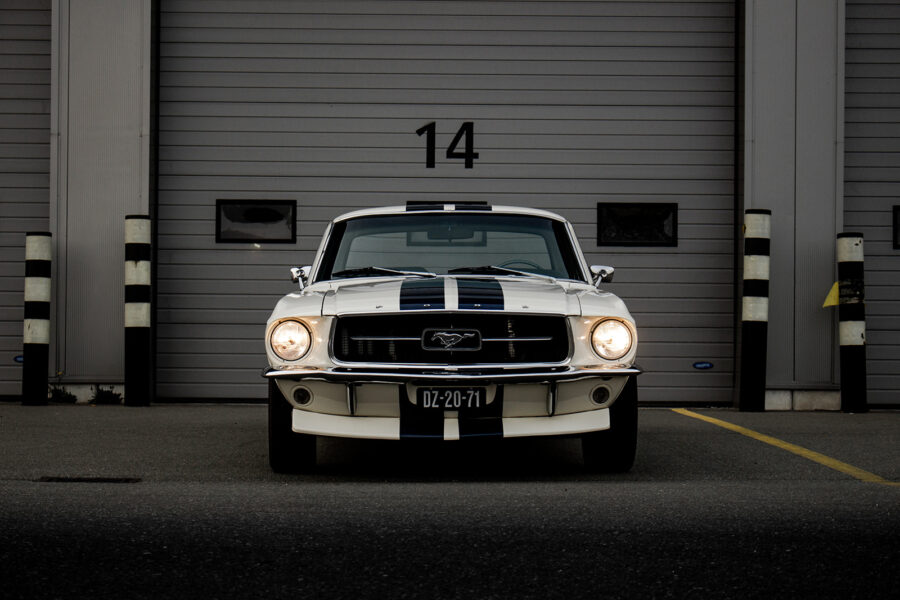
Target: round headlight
611, 339
290, 340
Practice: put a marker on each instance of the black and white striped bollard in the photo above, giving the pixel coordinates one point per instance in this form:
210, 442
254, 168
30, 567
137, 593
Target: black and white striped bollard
755, 309
852, 321
36, 336
138, 363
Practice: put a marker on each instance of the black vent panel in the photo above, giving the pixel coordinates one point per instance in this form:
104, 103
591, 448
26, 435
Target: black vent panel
452, 339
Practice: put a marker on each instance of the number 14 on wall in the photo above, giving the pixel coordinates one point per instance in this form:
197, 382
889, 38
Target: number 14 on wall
466, 132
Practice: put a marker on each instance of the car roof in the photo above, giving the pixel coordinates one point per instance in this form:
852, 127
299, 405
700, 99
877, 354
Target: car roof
430, 207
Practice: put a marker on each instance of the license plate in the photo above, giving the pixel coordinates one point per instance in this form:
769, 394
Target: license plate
451, 398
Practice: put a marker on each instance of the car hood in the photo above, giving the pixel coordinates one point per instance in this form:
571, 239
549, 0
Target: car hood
399, 295
510, 294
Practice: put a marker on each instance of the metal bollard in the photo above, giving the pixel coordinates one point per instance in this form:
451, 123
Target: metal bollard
852, 322
138, 363
755, 309
36, 335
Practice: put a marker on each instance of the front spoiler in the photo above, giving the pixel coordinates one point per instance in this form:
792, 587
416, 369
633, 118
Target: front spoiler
487, 376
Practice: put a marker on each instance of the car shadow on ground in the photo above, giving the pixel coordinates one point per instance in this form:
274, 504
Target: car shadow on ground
549, 459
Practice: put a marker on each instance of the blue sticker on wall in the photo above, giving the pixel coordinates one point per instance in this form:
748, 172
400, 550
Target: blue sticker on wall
703, 365
19, 359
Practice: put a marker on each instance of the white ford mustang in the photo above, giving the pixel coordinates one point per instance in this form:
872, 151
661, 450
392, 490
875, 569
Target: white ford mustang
451, 321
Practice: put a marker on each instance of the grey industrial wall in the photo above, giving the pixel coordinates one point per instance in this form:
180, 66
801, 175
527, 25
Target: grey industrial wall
101, 70
24, 163
573, 103
872, 178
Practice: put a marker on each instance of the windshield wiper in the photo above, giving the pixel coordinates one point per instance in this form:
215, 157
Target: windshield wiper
366, 271
495, 270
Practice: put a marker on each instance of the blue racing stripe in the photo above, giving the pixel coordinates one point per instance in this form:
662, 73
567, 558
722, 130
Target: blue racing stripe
482, 294
488, 422
422, 294
418, 423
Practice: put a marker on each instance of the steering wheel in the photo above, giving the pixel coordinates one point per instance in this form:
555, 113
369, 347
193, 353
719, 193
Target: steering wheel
520, 261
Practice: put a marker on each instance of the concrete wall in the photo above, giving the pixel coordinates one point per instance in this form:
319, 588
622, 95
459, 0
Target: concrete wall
613, 139
794, 166
99, 173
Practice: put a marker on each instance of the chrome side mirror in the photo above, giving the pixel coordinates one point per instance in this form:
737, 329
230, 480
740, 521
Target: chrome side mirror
602, 274
300, 275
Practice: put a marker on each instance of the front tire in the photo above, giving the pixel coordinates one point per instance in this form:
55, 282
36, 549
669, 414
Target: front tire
289, 452
613, 450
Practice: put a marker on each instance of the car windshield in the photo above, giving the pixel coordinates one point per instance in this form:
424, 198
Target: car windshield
481, 243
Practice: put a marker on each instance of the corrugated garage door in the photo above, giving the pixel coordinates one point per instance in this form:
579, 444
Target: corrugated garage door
572, 103
24, 163
872, 179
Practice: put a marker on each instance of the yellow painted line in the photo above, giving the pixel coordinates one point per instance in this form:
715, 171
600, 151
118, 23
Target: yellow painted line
827, 461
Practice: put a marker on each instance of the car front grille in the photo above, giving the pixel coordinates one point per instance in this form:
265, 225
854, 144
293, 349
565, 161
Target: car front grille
451, 339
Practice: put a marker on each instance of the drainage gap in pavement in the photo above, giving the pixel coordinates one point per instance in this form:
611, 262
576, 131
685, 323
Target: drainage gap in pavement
87, 480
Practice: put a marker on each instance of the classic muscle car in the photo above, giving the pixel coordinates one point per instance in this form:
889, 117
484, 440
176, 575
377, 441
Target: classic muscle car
451, 321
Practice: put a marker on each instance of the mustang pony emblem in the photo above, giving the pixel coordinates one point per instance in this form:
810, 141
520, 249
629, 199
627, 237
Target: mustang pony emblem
448, 340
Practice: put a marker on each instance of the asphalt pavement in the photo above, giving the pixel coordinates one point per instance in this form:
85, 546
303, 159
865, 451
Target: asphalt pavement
178, 501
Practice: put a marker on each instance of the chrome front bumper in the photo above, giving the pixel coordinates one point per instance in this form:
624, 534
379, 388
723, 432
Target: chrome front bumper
450, 377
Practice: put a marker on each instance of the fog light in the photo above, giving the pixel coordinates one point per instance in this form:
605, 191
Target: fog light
302, 396
600, 395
